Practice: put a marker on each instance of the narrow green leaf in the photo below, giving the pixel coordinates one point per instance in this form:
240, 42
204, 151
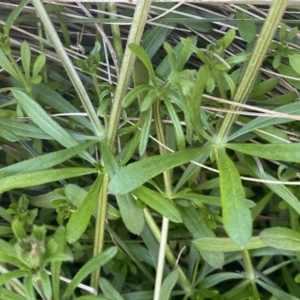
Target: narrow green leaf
226, 244
15, 13
108, 290
281, 190
26, 58
276, 291
137, 173
145, 132
236, 215
197, 226
132, 216
158, 202
29, 291
179, 134
281, 238
264, 87
168, 285
246, 27
7, 66
260, 122
12, 274
50, 97
80, 219
143, 56
41, 177
133, 94
284, 152
45, 122
6, 294
44, 161
92, 298
295, 62
93, 264
60, 239
38, 65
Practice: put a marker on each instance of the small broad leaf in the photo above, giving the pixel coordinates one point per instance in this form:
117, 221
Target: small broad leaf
168, 285
159, 203
281, 238
38, 65
284, 152
80, 219
26, 57
108, 290
246, 27
46, 123
40, 177
226, 245
93, 264
132, 216
236, 215
137, 173
264, 87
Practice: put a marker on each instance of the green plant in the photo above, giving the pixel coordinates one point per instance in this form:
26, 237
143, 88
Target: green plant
188, 163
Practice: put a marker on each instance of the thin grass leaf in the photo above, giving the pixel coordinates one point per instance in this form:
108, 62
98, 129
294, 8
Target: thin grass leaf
168, 285
43, 162
137, 173
93, 264
46, 123
80, 219
236, 215
40, 177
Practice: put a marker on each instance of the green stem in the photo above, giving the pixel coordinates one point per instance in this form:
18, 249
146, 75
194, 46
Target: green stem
79, 87
270, 26
100, 228
135, 35
250, 273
